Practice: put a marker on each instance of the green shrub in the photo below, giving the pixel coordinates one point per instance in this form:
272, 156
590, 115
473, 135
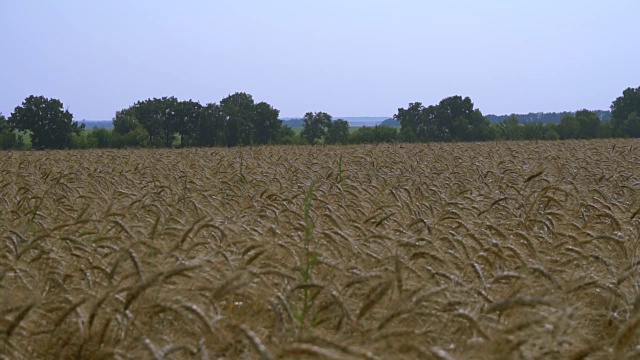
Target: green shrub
375, 134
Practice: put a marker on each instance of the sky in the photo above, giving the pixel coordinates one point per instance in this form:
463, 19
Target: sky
343, 57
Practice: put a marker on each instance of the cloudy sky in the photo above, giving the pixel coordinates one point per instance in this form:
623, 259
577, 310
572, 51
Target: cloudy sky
344, 57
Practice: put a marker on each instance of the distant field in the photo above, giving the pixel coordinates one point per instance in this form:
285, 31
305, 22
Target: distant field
98, 124
510, 250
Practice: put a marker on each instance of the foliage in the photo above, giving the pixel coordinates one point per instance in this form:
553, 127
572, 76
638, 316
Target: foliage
589, 123
584, 124
125, 121
314, 126
539, 131
83, 140
414, 121
631, 126
49, 125
453, 119
159, 118
545, 117
187, 122
266, 124
287, 136
238, 120
127, 131
569, 127
239, 111
103, 138
605, 131
337, 132
510, 129
9, 139
293, 123
211, 126
623, 120
456, 119
374, 134
139, 137
390, 122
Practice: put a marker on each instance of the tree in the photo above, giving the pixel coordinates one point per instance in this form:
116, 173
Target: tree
589, 123
621, 110
314, 126
211, 126
539, 131
510, 129
51, 126
337, 132
125, 121
454, 118
236, 121
266, 123
139, 137
128, 131
286, 135
413, 121
101, 137
569, 127
238, 110
159, 119
631, 126
375, 134
8, 138
188, 115
605, 131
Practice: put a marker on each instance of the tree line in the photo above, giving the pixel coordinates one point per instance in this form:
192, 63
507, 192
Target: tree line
240, 121
545, 118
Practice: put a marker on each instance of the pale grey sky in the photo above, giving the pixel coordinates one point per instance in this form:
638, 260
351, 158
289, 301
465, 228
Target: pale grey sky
345, 57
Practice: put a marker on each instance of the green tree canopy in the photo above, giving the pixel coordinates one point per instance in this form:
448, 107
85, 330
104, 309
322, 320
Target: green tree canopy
314, 126
539, 131
159, 118
8, 138
236, 121
623, 109
188, 115
631, 126
238, 110
589, 123
211, 126
286, 135
414, 121
266, 124
374, 134
125, 121
454, 118
4, 124
337, 132
569, 127
510, 129
50, 125
127, 131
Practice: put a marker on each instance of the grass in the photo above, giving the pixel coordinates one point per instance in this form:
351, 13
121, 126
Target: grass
512, 250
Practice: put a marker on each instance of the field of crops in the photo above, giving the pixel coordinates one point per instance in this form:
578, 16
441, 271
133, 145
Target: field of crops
436, 251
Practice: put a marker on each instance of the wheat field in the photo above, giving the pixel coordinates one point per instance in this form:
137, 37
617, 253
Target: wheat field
512, 250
